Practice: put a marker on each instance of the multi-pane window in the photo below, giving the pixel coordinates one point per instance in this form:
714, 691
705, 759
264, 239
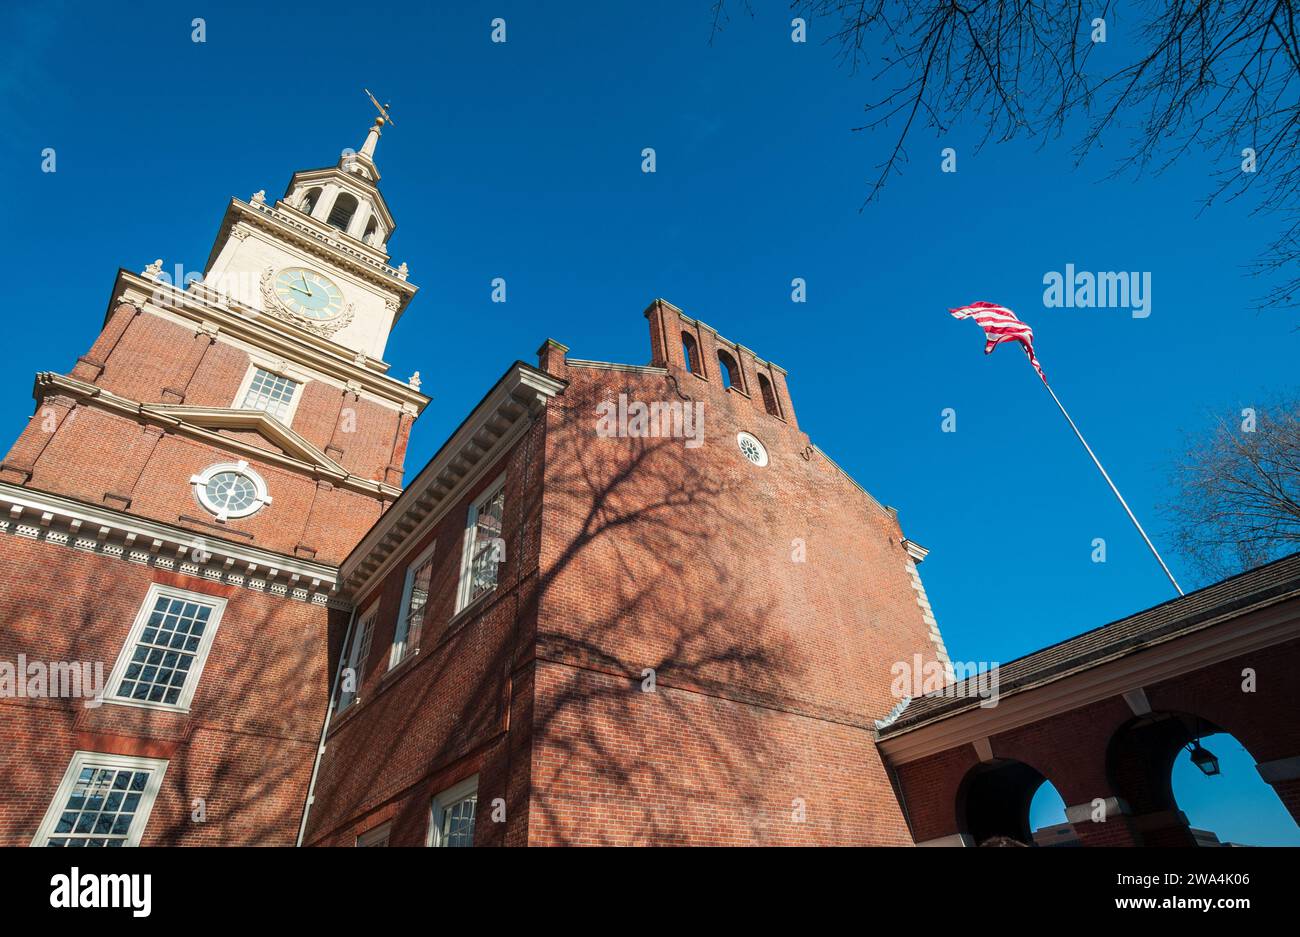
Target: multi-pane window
165, 651
376, 837
163, 657
104, 800
452, 819
406, 637
352, 667
270, 392
485, 549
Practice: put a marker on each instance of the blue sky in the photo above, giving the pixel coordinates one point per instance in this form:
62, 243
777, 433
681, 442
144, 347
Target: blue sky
522, 160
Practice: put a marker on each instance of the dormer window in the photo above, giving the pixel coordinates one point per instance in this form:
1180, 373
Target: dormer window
345, 206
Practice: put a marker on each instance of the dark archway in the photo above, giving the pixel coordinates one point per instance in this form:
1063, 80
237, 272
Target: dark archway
345, 206
769, 396
994, 800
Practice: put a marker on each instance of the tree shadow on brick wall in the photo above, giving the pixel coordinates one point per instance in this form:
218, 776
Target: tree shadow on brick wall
639, 528
651, 645
216, 755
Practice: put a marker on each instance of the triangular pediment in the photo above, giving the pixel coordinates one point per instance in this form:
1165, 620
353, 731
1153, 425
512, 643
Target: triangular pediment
244, 423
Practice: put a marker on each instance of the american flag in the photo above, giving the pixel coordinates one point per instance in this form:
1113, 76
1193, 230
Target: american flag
1000, 325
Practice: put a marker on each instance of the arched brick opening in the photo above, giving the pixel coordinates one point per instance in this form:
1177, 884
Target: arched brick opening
994, 800
730, 370
691, 352
769, 396
1140, 764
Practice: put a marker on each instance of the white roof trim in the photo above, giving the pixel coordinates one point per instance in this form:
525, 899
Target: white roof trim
492, 427
1094, 681
104, 531
201, 304
611, 366
197, 423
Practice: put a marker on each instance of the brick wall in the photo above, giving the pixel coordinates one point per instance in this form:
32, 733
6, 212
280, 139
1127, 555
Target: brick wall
769, 670
246, 747
101, 457
154, 354
443, 714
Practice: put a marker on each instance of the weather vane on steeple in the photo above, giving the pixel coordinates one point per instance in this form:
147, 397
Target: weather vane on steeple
372, 138
384, 117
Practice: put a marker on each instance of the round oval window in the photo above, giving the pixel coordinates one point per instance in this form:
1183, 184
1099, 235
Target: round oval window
752, 449
230, 492
231, 489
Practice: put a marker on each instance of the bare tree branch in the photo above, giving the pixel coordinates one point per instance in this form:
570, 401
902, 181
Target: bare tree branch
1210, 76
1237, 491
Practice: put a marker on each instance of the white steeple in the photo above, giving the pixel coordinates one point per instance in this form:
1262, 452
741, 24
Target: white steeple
329, 235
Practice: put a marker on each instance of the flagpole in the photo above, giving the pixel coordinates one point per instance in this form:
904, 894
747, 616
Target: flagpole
1127, 510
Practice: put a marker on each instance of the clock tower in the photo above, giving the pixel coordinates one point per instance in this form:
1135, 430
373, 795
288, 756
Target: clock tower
173, 517
318, 258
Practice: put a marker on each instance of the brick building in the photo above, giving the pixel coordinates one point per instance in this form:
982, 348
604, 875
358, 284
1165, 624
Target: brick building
200, 473
623, 604
629, 633
623, 634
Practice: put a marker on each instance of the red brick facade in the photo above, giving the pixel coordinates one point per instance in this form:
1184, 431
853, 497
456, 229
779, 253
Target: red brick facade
100, 507
243, 753
769, 603
74, 446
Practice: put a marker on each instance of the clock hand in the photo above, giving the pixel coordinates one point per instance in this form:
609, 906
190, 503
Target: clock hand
305, 287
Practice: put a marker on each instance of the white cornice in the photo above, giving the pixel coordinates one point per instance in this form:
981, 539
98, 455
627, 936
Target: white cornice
200, 306
612, 366
99, 530
308, 234
258, 421
202, 423
1224, 637
490, 430
915, 550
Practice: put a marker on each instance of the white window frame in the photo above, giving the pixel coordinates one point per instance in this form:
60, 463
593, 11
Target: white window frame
438, 809
363, 636
195, 675
276, 369
741, 438
466, 586
400, 651
85, 759
377, 836
200, 483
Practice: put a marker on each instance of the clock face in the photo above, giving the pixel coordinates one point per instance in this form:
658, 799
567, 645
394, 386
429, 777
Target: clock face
308, 293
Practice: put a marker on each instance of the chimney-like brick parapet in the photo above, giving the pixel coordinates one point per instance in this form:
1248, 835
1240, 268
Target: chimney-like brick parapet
551, 358
669, 325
